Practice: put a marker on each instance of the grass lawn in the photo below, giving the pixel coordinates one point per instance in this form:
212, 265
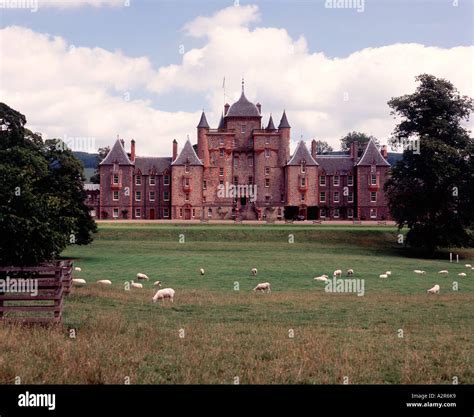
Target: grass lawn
218, 330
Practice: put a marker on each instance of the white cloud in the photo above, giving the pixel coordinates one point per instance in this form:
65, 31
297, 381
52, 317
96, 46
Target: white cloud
80, 91
68, 4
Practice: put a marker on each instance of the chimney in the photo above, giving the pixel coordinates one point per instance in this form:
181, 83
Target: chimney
384, 151
259, 108
314, 149
354, 148
226, 108
175, 149
132, 150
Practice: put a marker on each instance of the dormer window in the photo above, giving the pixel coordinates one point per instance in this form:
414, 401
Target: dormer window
152, 180
138, 180
303, 166
322, 180
373, 179
336, 180
186, 169
116, 179
350, 180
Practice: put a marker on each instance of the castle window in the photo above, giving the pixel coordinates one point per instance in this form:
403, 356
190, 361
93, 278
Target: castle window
302, 196
250, 160
186, 169
115, 213
322, 213
335, 180
204, 185
166, 213
250, 180
350, 197
221, 172
138, 213
166, 196
373, 213
236, 160
350, 180
186, 181
322, 197
221, 141
243, 128
166, 180
336, 196
282, 198
194, 212
152, 196
180, 212
221, 152
267, 198
186, 197
350, 213
116, 179
138, 180
221, 182
267, 153
373, 179
322, 180
116, 196
204, 199
152, 180
267, 170
336, 213
303, 167
267, 182
267, 141
303, 181
209, 212
138, 196
373, 197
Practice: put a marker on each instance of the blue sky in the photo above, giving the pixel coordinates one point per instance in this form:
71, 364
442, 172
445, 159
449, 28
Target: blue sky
154, 29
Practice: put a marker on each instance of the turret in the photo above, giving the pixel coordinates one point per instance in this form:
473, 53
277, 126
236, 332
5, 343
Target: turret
285, 131
203, 148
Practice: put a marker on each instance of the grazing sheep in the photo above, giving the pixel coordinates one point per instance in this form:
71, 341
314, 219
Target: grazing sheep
254, 271
136, 285
78, 282
77, 269
388, 273
104, 282
263, 286
434, 290
472, 268
350, 272
468, 266
443, 272
323, 278
419, 272
163, 294
383, 276
337, 273
157, 284
462, 274
141, 276
201, 271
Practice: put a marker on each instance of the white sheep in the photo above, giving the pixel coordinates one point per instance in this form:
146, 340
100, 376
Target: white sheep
78, 282
201, 271
263, 286
462, 274
157, 284
104, 282
77, 269
141, 276
388, 273
254, 271
434, 290
383, 276
443, 272
136, 285
323, 278
337, 273
419, 272
350, 272
163, 294
468, 266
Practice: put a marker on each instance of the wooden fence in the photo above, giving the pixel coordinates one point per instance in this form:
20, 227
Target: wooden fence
34, 294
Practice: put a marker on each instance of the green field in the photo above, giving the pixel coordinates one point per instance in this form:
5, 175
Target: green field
214, 333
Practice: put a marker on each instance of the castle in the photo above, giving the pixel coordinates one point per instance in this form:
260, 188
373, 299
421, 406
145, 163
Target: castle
254, 162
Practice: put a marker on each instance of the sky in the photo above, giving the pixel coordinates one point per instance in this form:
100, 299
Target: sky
89, 70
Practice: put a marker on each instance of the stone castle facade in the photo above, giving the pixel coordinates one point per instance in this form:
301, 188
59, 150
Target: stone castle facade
242, 170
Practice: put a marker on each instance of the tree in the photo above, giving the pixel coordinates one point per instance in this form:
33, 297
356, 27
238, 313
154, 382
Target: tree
95, 179
42, 206
361, 138
323, 147
432, 191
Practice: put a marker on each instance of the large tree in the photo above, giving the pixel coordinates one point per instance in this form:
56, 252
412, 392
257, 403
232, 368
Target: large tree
361, 138
431, 190
42, 206
323, 147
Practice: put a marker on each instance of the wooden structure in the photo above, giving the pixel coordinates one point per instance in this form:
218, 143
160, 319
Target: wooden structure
34, 294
